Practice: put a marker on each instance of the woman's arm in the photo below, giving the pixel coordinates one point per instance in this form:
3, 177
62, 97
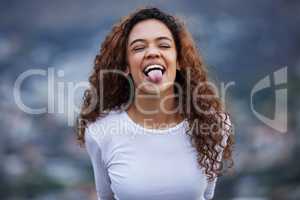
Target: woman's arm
211, 185
210, 189
102, 180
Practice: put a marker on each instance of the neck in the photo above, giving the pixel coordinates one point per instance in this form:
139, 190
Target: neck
155, 109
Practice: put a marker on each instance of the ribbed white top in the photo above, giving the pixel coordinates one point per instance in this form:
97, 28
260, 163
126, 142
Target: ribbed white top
131, 162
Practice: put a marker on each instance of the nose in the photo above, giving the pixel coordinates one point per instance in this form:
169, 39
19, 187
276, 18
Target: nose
152, 52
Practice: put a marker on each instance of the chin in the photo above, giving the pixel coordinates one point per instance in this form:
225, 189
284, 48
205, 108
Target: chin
152, 88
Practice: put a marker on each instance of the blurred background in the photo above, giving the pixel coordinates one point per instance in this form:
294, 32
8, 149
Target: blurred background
47, 50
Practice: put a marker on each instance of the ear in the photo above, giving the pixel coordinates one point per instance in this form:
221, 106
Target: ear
127, 71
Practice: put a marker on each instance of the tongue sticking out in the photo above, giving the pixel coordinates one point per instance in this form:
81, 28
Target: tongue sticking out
155, 75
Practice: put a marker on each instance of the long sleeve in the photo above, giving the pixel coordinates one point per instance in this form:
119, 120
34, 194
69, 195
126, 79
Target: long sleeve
210, 189
102, 180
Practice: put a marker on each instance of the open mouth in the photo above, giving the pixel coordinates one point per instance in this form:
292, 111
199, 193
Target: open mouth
154, 73
152, 68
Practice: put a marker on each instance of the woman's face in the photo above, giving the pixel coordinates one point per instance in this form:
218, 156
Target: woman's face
151, 55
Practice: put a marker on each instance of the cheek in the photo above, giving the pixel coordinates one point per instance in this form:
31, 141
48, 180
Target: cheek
171, 60
134, 62
171, 55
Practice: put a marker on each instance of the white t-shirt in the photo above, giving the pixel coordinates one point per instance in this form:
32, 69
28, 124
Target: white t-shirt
131, 162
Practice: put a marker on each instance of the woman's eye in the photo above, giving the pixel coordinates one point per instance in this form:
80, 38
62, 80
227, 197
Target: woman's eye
138, 48
164, 46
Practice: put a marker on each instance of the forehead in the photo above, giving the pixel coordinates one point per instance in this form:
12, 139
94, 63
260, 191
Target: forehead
149, 29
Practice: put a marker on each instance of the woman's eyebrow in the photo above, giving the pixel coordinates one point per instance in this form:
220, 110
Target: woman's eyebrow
163, 38
156, 39
137, 40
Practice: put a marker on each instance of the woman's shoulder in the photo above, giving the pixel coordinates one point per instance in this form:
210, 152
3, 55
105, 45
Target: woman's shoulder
106, 119
105, 125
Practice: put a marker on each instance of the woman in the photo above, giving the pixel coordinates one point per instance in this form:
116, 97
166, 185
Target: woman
151, 123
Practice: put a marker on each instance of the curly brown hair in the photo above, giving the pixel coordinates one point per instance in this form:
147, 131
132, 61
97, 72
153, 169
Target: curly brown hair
214, 145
